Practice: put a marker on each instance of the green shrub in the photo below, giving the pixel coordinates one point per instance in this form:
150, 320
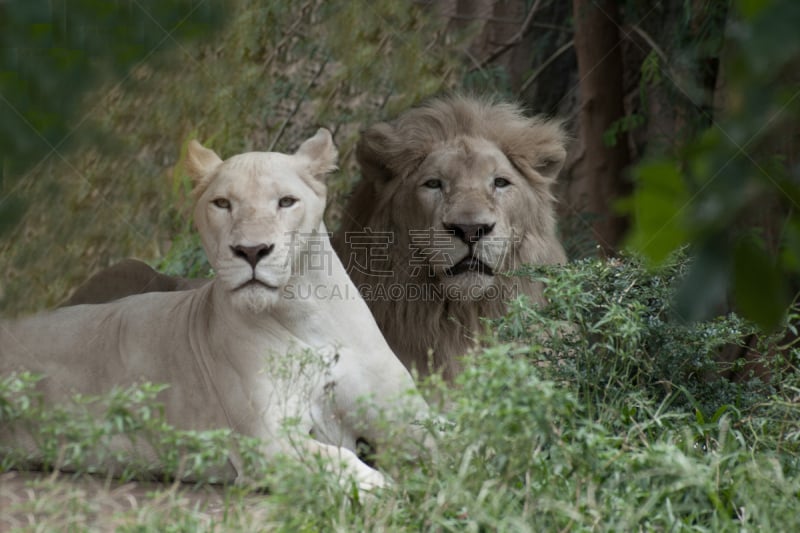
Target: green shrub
611, 330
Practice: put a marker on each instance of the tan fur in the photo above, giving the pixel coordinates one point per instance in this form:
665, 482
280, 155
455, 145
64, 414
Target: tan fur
231, 350
464, 143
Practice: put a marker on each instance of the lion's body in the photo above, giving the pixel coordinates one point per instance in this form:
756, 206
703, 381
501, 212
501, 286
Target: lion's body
462, 187
125, 278
230, 350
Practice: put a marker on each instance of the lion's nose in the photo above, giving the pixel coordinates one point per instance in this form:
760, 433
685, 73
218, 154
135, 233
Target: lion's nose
469, 233
252, 254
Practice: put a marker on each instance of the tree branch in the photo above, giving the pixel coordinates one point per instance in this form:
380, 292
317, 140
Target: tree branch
566, 46
515, 40
297, 105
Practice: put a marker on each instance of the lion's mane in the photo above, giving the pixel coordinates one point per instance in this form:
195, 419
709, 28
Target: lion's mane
431, 333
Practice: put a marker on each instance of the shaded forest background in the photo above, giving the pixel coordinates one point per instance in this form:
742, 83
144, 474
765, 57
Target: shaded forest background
684, 116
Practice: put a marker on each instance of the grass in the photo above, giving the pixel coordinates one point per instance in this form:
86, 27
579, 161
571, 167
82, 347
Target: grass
46, 502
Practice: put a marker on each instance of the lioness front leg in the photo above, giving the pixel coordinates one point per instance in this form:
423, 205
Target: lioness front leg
340, 461
345, 463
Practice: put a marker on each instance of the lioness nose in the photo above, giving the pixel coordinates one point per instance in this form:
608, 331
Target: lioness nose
252, 254
469, 233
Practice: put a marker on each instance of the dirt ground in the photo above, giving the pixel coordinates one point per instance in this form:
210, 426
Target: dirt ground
32, 501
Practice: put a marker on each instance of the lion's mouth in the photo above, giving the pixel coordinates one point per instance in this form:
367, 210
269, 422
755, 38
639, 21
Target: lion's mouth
255, 283
469, 264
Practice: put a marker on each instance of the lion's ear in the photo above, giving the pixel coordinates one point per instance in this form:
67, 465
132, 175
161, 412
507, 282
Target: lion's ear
200, 161
372, 152
320, 152
539, 150
550, 162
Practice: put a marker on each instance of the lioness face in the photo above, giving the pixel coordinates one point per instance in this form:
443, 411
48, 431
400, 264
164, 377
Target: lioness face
472, 207
255, 213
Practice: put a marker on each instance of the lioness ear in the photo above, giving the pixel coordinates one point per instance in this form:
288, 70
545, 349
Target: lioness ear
200, 161
321, 153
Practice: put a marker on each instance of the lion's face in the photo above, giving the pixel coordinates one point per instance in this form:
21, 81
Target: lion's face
255, 212
464, 186
465, 207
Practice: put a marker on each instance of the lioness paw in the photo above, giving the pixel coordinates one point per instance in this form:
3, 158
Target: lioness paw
370, 480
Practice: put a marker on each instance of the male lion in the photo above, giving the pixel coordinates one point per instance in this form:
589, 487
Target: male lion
455, 193
227, 349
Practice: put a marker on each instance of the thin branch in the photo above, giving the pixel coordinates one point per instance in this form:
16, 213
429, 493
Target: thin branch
474, 60
297, 105
385, 100
672, 75
566, 46
289, 33
650, 42
515, 22
515, 40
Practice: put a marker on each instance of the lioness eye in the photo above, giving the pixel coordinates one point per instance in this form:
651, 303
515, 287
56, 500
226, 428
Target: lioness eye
501, 182
222, 203
287, 201
433, 184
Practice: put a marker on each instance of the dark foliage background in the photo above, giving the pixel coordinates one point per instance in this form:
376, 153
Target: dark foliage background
684, 116
52, 53
659, 388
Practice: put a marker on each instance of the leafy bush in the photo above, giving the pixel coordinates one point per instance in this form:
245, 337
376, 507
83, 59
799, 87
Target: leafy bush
614, 330
726, 182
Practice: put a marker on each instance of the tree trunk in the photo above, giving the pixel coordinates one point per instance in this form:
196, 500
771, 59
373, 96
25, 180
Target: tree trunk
598, 173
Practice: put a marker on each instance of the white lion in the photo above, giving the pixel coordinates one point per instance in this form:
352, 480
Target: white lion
225, 349
463, 188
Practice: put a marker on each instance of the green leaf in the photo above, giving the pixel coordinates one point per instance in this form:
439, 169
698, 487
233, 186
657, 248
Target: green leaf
790, 247
719, 412
657, 208
698, 415
11, 211
751, 8
759, 288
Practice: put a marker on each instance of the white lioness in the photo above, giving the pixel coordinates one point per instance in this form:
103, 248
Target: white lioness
225, 349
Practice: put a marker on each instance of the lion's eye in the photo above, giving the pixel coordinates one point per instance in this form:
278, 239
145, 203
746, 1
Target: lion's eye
222, 203
287, 201
501, 182
433, 184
